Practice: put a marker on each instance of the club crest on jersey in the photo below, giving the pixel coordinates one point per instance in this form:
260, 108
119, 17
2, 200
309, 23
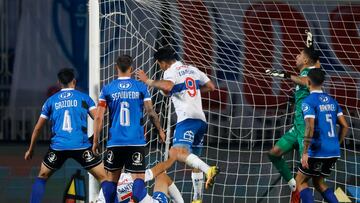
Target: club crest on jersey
124, 85
305, 107
324, 98
137, 158
88, 156
52, 157
65, 95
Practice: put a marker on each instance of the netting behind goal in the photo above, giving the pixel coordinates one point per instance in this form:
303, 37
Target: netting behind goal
234, 42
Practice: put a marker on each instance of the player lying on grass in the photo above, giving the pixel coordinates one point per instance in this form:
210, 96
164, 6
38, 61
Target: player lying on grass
125, 185
292, 139
67, 110
321, 141
126, 99
185, 83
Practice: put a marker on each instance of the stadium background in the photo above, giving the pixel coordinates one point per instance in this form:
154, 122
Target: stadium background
39, 37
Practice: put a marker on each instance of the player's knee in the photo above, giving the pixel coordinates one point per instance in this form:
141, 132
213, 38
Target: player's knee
44, 174
272, 157
138, 190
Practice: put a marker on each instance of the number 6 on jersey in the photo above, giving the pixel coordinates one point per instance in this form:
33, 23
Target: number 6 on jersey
124, 114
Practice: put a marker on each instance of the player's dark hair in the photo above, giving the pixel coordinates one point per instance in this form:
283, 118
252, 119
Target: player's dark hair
124, 62
312, 54
165, 54
66, 75
316, 76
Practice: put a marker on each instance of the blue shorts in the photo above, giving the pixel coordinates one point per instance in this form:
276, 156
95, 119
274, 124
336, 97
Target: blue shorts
190, 133
160, 197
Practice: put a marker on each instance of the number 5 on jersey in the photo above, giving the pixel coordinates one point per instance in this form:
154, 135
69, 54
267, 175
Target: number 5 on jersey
124, 114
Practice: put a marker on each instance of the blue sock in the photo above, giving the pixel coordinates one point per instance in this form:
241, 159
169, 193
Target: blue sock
109, 190
38, 190
306, 196
138, 190
329, 196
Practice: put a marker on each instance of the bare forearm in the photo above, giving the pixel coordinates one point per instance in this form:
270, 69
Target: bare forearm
34, 137
343, 132
97, 128
309, 132
163, 85
205, 89
154, 118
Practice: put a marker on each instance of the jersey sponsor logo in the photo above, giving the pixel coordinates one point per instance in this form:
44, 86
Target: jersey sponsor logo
88, 156
52, 157
65, 95
324, 98
125, 85
110, 156
137, 158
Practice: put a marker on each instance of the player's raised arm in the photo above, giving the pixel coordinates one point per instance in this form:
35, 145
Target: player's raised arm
164, 85
154, 118
35, 134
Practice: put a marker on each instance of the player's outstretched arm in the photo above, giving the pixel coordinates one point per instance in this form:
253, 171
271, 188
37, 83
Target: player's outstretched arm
207, 87
98, 122
164, 85
154, 118
283, 74
35, 134
344, 127
309, 132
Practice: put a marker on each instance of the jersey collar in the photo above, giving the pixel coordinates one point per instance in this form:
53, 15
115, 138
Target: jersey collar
176, 64
316, 91
65, 89
123, 78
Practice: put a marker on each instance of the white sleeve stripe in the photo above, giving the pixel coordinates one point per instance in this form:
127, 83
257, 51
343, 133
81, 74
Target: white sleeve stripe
43, 116
309, 116
147, 99
92, 107
340, 114
102, 99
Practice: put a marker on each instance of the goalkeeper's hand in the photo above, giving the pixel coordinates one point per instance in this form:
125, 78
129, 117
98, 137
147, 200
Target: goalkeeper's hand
278, 73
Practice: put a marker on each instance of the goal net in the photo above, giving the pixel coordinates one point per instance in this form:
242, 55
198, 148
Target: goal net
234, 42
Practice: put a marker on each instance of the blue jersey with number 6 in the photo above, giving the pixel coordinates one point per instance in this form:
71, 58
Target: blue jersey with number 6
125, 99
325, 110
67, 110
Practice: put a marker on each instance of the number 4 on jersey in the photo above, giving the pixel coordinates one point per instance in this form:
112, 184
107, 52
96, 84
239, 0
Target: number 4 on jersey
67, 122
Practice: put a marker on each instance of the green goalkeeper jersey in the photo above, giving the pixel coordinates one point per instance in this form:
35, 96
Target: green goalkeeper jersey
300, 93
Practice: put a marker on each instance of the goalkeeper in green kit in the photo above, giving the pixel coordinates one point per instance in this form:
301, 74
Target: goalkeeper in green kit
306, 60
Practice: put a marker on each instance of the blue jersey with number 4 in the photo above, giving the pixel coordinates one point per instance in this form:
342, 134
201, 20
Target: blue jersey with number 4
325, 110
125, 99
67, 110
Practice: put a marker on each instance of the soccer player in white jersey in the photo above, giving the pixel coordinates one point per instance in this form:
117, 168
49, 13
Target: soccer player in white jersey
125, 185
185, 83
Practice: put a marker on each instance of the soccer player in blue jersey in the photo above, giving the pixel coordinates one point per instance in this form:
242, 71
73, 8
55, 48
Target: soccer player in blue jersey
185, 83
321, 142
125, 98
67, 110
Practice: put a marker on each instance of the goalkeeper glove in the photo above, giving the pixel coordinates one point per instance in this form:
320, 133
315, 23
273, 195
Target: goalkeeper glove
278, 73
309, 39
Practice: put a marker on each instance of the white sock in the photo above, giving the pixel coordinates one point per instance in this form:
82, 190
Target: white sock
292, 184
195, 162
175, 193
198, 182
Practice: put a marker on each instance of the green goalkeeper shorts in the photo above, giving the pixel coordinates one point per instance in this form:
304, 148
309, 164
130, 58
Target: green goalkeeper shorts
292, 139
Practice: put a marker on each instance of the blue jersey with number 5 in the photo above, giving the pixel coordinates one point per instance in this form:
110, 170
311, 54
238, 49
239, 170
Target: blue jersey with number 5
125, 99
67, 110
325, 110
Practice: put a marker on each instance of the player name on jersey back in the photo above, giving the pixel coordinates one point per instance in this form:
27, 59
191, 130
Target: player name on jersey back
125, 99
185, 94
68, 110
